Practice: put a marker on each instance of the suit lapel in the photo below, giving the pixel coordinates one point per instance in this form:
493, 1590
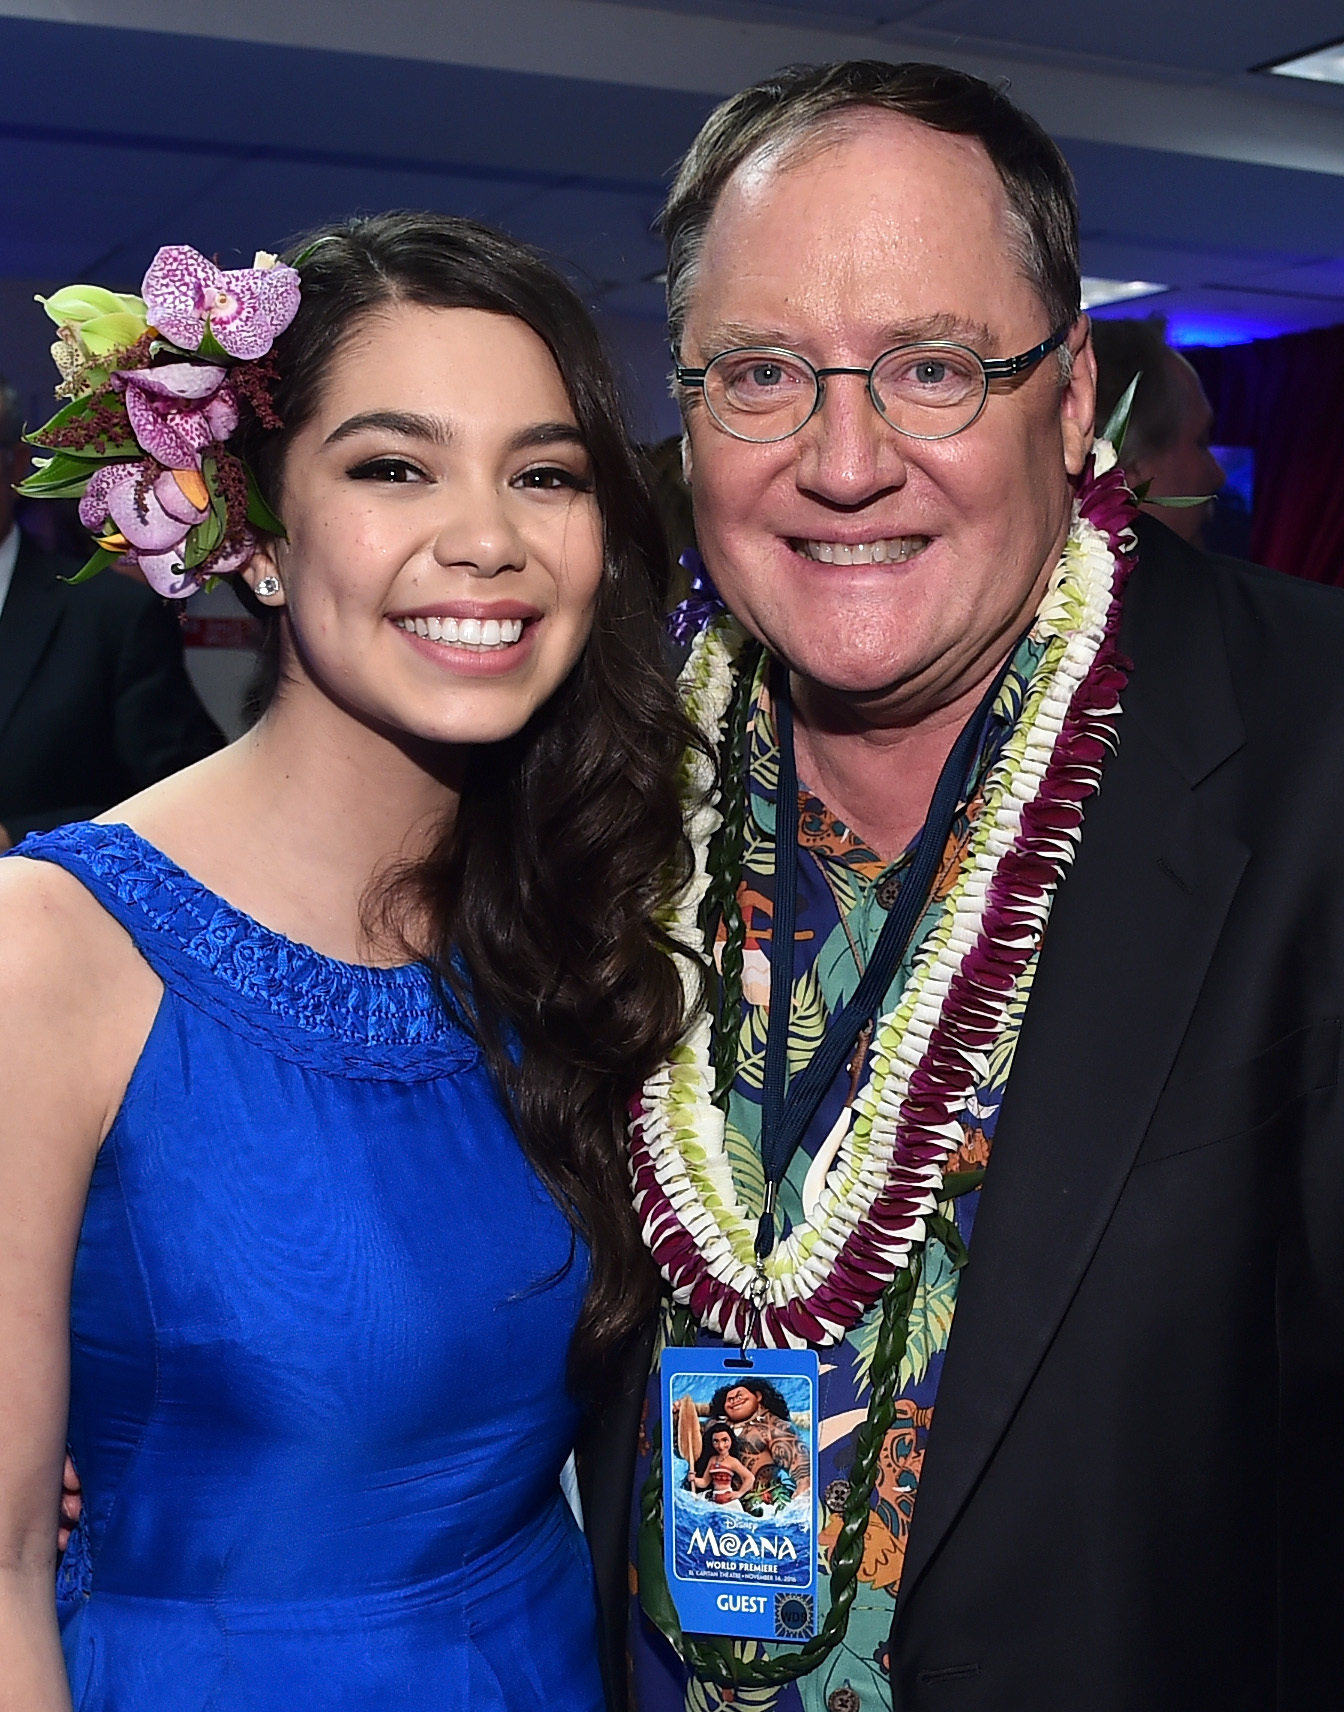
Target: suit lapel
1129, 940
31, 613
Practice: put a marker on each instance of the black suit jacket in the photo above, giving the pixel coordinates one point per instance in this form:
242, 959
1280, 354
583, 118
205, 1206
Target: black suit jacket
95, 702
1133, 1491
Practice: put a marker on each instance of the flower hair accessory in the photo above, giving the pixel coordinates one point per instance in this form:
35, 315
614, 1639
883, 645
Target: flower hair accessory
156, 385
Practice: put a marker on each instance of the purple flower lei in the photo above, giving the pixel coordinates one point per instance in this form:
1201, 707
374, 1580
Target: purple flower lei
689, 618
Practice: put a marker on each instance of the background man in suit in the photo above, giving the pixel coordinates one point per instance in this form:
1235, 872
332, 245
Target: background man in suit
95, 702
1167, 442
1113, 1479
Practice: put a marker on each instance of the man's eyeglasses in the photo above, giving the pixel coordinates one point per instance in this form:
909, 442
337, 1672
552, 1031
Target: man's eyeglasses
928, 391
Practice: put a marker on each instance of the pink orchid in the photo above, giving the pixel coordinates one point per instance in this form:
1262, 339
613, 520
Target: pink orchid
246, 309
153, 515
179, 410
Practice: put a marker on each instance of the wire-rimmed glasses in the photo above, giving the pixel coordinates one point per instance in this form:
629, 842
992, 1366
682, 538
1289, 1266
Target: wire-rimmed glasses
928, 391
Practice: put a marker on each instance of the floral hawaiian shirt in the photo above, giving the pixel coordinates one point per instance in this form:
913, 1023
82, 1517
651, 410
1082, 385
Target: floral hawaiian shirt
845, 891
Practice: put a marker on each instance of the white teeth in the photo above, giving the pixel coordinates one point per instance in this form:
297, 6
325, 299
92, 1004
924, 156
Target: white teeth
466, 632
895, 550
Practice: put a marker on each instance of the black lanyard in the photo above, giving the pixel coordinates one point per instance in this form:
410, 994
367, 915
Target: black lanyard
785, 1118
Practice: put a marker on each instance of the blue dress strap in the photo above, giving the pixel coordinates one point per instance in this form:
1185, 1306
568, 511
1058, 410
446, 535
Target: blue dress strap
346, 1019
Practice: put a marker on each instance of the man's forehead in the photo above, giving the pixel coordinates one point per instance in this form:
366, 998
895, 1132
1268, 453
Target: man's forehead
889, 233
891, 157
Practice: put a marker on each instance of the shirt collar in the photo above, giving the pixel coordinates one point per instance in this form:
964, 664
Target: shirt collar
818, 824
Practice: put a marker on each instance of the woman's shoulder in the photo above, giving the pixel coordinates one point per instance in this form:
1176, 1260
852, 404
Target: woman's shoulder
51, 925
73, 989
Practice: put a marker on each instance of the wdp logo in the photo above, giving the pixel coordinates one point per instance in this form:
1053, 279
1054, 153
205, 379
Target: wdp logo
793, 1616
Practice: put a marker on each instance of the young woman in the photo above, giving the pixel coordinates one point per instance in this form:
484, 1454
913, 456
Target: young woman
720, 1472
314, 1058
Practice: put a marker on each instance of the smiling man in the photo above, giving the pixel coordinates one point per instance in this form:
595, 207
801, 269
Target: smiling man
1036, 1140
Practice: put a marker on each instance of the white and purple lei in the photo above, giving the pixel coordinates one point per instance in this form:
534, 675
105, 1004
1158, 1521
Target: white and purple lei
975, 960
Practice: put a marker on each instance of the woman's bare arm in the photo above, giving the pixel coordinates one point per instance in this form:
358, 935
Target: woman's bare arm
76, 1003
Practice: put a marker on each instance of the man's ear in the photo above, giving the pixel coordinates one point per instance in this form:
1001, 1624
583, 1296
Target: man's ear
687, 457
1078, 398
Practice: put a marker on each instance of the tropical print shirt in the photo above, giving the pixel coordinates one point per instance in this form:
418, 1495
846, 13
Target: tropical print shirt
845, 891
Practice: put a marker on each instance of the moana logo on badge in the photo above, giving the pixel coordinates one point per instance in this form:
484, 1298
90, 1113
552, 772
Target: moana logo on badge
776, 1546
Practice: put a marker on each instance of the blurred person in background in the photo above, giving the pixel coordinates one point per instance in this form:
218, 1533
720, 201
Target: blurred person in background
672, 496
1167, 441
95, 702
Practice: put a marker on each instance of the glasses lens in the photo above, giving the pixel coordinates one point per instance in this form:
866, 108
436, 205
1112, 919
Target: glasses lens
930, 390
760, 395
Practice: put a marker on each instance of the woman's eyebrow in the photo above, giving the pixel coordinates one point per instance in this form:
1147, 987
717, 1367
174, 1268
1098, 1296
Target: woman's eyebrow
547, 434
410, 425
407, 423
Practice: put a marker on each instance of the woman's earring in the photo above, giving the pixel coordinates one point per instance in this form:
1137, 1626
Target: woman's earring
266, 587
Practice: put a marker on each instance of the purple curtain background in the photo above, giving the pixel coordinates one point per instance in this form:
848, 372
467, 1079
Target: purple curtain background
1285, 399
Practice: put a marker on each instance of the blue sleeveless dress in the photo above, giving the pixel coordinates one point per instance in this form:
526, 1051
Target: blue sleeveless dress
319, 1327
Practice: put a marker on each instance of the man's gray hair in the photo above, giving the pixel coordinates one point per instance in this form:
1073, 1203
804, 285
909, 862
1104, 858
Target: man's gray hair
11, 414
778, 117
1126, 348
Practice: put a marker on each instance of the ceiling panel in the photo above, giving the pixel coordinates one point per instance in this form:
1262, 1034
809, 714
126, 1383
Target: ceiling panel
1202, 35
1207, 35
335, 108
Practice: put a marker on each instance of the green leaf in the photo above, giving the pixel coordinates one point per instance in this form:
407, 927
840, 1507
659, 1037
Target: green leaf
311, 249
807, 1021
744, 1161
930, 1314
259, 513
99, 562
1118, 422
211, 347
57, 477
206, 535
1183, 503
202, 540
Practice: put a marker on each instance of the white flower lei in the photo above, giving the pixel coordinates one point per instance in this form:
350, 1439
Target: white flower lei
888, 1172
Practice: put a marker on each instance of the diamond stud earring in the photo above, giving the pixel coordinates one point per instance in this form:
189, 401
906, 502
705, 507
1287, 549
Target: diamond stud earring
266, 587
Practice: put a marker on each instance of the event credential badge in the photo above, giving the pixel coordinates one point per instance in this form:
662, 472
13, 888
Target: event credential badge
740, 1491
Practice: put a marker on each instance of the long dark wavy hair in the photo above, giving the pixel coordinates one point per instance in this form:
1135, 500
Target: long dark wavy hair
539, 897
